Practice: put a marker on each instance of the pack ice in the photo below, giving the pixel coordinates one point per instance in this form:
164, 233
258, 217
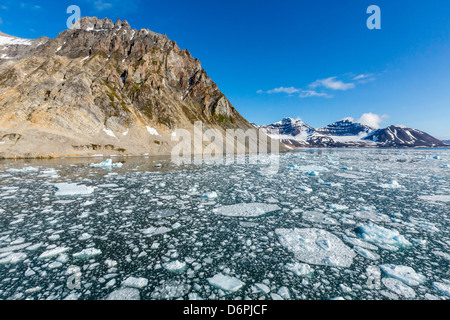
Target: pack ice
382, 236
226, 283
403, 273
316, 246
71, 189
246, 209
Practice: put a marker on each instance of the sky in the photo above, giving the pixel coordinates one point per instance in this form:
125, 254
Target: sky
311, 59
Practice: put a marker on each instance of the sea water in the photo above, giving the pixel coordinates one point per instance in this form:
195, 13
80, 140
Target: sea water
368, 224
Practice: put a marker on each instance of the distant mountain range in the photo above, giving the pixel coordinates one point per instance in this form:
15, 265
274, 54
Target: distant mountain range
346, 133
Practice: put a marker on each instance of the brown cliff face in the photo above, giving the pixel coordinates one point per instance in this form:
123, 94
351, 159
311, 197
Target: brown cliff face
99, 89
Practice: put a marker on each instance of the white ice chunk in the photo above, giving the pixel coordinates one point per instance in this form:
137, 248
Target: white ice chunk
175, 266
12, 258
318, 217
366, 253
442, 287
210, 195
399, 288
246, 209
107, 164
154, 231
124, 294
137, 283
316, 246
53, 252
300, 269
87, 253
382, 236
226, 283
393, 185
69, 189
403, 273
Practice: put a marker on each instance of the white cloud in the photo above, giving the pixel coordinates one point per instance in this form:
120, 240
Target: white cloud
292, 90
312, 93
289, 90
361, 76
372, 120
101, 5
332, 83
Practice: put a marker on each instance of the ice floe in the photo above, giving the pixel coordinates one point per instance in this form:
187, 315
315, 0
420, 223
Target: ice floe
443, 288
300, 269
71, 189
246, 209
381, 236
124, 294
403, 273
137, 283
108, 163
316, 246
399, 288
87, 253
226, 283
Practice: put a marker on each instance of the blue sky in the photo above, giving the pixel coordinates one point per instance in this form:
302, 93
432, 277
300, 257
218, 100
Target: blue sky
311, 59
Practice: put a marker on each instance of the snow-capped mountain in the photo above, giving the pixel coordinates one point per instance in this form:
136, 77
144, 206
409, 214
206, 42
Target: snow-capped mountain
400, 136
289, 130
345, 128
346, 133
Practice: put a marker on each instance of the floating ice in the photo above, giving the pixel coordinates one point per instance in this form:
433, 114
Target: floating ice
308, 169
226, 283
124, 294
170, 290
246, 209
210, 195
53, 252
70, 189
399, 288
305, 189
359, 243
318, 217
442, 287
300, 269
436, 198
382, 236
87, 253
316, 246
163, 213
262, 287
23, 170
338, 207
13, 258
393, 185
137, 283
107, 164
366, 253
152, 231
174, 266
405, 274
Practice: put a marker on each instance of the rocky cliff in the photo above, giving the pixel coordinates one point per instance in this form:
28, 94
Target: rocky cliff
103, 88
